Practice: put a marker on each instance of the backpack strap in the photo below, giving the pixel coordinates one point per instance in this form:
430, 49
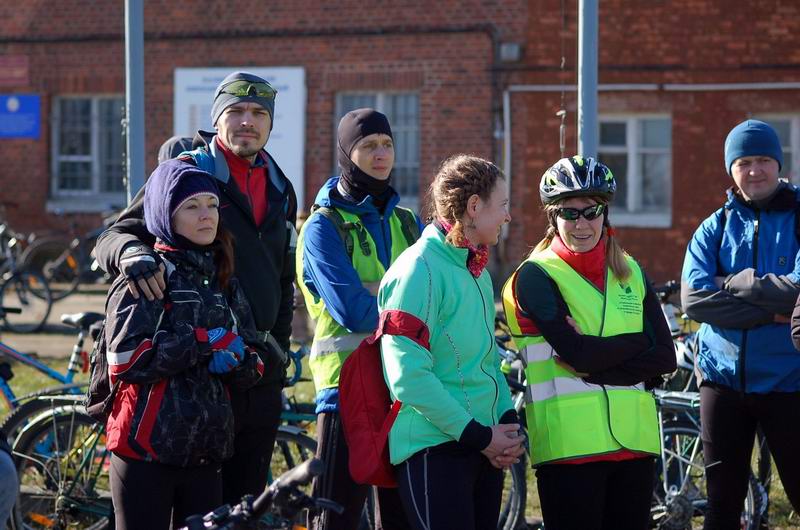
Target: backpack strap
344, 229
408, 224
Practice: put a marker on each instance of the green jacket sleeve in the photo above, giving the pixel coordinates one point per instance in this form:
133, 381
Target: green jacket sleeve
408, 367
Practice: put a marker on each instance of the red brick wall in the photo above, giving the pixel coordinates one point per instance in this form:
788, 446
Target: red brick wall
444, 51
698, 41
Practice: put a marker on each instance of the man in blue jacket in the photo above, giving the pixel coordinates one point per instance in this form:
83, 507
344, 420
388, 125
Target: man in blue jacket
741, 278
355, 232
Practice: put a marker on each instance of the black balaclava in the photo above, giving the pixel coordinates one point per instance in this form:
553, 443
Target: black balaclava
354, 126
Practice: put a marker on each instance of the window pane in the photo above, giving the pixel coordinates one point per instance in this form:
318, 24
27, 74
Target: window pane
112, 148
348, 102
75, 129
75, 175
786, 168
402, 110
612, 133
655, 133
784, 130
618, 163
654, 170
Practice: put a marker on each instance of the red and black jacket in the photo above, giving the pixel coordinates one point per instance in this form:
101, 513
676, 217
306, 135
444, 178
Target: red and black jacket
169, 408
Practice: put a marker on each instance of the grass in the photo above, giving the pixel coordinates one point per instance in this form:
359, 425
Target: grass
28, 380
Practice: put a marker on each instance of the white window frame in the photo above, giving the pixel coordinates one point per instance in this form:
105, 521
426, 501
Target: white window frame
381, 96
794, 140
91, 200
619, 217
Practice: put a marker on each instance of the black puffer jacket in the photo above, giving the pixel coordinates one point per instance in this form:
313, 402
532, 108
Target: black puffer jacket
169, 408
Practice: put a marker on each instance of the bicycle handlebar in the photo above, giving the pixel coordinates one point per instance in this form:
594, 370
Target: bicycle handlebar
281, 497
668, 289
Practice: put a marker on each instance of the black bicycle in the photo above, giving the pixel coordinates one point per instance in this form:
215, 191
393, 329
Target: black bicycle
276, 508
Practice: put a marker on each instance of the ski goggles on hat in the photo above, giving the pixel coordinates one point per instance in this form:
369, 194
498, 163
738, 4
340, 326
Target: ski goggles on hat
249, 89
589, 213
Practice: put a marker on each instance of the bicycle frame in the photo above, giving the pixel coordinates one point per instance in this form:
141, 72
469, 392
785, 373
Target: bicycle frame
65, 379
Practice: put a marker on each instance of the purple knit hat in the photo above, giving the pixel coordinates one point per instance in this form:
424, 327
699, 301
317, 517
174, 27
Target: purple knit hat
171, 184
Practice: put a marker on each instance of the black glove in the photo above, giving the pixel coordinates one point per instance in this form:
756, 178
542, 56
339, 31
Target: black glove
138, 262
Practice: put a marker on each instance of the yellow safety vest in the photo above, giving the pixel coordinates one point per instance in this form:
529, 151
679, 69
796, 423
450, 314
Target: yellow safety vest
568, 417
332, 341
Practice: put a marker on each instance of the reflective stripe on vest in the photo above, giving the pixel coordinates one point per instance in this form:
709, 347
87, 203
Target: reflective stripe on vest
332, 342
568, 417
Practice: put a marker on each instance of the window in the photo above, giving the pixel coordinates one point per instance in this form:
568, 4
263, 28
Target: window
638, 149
88, 153
402, 109
788, 128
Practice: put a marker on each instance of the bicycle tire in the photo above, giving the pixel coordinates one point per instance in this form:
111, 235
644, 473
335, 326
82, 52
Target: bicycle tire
679, 500
22, 415
512, 511
62, 465
30, 292
56, 260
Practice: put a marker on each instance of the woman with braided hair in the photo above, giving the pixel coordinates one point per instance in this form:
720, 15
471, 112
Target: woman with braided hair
591, 328
457, 427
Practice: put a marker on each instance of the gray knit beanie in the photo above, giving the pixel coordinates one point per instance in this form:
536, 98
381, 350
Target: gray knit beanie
223, 100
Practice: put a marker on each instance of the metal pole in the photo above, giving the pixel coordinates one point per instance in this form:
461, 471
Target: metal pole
134, 95
587, 77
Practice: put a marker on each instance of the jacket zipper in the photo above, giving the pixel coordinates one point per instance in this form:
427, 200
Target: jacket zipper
743, 351
490, 352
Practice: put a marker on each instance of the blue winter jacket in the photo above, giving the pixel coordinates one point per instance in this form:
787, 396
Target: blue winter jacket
328, 271
756, 356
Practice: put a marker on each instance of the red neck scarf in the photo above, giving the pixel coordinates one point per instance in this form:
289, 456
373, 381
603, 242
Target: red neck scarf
477, 256
591, 265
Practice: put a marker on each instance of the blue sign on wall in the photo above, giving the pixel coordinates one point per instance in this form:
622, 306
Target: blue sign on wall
20, 116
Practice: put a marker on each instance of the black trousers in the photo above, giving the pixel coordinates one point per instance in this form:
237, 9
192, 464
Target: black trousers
597, 495
257, 414
150, 496
337, 485
729, 420
450, 486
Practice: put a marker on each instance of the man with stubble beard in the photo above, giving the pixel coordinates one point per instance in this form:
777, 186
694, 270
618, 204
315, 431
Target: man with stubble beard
258, 206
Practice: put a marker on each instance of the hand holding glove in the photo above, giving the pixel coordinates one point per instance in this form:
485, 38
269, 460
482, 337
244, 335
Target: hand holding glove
222, 362
223, 339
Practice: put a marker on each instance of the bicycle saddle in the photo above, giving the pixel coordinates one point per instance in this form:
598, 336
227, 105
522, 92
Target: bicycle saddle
81, 320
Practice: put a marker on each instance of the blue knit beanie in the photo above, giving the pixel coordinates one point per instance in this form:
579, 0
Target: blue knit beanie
752, 138
222, 100
171, 184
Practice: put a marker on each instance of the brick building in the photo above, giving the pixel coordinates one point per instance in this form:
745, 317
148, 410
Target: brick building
483, 77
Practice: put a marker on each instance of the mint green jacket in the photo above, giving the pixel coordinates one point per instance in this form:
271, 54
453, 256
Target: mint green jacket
459, 378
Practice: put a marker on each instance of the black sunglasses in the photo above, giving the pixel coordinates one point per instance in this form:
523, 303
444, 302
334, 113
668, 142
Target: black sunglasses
589, 213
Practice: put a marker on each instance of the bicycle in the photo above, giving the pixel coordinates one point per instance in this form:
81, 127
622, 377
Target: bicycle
65, 263
685, 378
20, 288
62, 463
24, 407
282, 500
679, 495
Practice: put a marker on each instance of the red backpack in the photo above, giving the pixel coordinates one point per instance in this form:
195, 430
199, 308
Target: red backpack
365, 407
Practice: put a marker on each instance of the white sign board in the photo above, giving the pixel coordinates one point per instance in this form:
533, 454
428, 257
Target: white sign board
194, 93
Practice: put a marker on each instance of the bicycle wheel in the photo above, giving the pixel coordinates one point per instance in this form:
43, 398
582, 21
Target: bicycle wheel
21, 416
57, 261
28, 291
292, 447
680, 494
62, 464
512, 512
